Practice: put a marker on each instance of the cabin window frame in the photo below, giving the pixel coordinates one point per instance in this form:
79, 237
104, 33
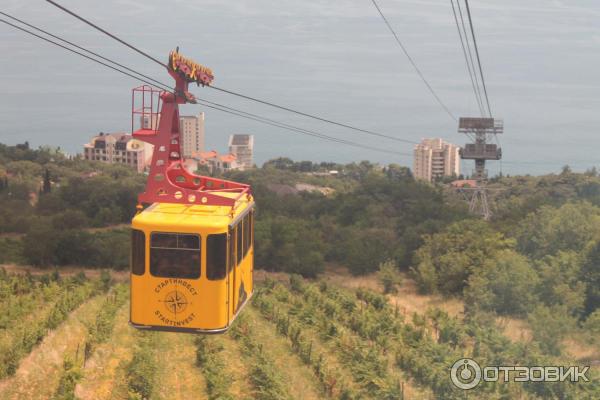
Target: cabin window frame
195, 271
239, 241
246, 240
210, 252
138, 252
251, 229
232, 257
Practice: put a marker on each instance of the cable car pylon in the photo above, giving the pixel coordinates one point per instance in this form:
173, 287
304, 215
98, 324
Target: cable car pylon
480, 130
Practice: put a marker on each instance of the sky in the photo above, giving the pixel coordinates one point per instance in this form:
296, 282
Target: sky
332, 58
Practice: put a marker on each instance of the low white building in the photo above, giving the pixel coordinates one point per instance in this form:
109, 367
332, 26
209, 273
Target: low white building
118, 148
212, 160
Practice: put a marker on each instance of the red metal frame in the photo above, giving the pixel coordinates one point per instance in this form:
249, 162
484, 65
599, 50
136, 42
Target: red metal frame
169, 181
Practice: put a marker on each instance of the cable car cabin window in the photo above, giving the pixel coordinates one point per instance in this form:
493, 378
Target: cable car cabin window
240, 247
246, 234
175, 255
216, 256
251, 228
138, 252
232, 236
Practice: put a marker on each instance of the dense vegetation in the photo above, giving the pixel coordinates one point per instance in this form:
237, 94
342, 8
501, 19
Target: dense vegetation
50, 300
51, 209
538, 260
542, 247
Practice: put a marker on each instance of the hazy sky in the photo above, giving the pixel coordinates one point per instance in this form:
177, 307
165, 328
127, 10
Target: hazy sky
334, 58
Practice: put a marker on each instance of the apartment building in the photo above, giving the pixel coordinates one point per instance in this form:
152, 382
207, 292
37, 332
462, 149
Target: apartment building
118, 148
434, 158
191, 127
192, 133
242, 147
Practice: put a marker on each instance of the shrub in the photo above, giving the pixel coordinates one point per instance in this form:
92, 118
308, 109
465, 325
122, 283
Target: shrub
389, 276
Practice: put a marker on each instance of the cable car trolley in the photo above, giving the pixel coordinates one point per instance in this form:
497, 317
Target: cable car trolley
192, 247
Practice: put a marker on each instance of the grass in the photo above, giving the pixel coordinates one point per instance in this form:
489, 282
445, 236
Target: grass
101, 379
298, 378
177, 376
344, 349
38, 374
407, 299
173, 356
237, 368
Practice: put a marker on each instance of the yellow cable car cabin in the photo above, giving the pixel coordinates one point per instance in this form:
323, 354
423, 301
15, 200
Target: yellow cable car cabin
192, 254
192, 265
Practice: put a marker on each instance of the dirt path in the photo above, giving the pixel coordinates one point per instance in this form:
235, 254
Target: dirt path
177, 375
100, 380
39, 372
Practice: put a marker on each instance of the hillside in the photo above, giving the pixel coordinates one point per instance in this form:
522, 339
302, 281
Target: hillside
371, 285
337, 337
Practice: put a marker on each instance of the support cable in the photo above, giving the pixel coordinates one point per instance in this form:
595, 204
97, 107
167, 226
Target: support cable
413, 63
230, 110
365, 131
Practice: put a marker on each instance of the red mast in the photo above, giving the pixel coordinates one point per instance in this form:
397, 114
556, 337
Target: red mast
169, 181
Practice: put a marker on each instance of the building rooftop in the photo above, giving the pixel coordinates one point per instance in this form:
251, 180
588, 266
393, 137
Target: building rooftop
240, 140
228, 158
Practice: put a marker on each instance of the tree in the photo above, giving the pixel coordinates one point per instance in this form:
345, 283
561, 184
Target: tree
389, 276
590, 275
505, 284
289, 244
550, 325
560, 281
592, 325
550, 230
447, 259
47, 186
40, 243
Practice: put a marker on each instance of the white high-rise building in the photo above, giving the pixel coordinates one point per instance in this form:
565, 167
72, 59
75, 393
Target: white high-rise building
192, 131
192, 134
434, 158
242, 147
149, 121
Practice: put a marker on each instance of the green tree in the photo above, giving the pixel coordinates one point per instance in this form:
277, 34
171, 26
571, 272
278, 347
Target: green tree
47, 186
592, 325
550, 325
505, 284
560, 281
590, 276
40, 243
549, 230
389, 276
447, 259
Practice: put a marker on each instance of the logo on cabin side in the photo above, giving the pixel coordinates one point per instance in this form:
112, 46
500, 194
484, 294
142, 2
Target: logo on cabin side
175, 302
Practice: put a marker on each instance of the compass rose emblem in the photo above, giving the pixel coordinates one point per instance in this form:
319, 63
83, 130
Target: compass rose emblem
175, 302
